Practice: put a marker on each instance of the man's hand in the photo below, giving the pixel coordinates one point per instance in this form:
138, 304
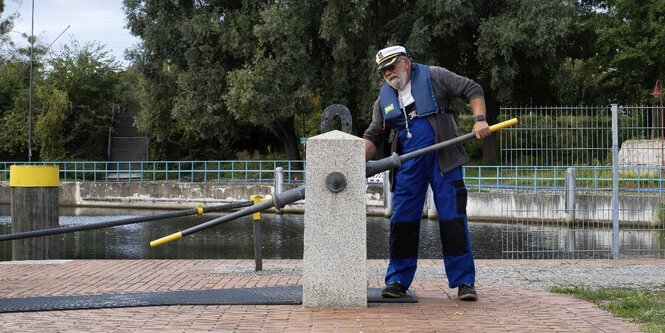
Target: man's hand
482, 129
370, 150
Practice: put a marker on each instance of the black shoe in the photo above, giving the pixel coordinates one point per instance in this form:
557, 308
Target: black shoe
393, 290
467, 292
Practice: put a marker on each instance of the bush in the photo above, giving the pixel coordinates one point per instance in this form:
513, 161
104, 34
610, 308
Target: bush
660, 216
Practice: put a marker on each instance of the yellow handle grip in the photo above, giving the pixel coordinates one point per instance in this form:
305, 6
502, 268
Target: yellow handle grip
166, 239
503, 124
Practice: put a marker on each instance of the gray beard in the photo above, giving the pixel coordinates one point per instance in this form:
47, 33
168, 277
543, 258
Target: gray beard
399, 82
396, 84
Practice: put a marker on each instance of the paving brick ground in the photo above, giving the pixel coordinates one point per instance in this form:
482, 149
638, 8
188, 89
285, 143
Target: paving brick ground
513, 297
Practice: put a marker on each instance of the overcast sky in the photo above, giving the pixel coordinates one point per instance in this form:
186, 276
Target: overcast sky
102, 21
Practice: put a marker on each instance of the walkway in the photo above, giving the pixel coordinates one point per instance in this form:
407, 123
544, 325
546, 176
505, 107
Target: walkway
512, 297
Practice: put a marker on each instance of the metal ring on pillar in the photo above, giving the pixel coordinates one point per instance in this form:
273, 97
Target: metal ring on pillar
336, 182
336, 110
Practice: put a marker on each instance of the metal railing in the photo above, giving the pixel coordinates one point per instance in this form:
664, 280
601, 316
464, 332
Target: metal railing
590, 179
171, 171
639, 179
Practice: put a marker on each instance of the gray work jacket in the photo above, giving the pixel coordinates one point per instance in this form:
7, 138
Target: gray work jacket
445, 85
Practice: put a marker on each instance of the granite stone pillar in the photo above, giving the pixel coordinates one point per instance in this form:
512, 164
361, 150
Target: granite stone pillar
335, 240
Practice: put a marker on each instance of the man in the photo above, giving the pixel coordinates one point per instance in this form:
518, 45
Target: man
414, 102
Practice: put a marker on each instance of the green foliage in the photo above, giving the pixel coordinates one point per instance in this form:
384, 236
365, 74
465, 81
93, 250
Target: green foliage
183, 63
620, 57
660, 215
14, 128
520, 45
49, 124
268, 91
214, 77
13, 110
643, 306
6, 25
70, 104
90, 78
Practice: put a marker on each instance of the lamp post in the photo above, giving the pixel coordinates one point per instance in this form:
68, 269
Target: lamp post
32, 60
658, 92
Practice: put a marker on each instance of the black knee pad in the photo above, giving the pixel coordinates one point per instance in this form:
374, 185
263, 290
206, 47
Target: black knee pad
404, 239
453, 237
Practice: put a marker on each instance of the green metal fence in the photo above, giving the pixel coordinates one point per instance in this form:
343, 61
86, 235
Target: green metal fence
640, 179
173, 171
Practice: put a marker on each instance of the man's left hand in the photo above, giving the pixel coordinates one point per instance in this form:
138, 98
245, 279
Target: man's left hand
482, 129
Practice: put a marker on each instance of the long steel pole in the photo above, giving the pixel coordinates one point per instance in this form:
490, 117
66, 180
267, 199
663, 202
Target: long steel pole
186, 212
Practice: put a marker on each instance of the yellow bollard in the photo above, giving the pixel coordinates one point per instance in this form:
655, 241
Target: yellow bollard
257, 199
34, 206
258, 260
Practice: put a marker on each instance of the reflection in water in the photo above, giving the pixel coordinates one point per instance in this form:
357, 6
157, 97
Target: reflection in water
545, 242
282, 237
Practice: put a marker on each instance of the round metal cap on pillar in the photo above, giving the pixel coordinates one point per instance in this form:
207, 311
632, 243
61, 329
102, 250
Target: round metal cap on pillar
336, 182
34, 206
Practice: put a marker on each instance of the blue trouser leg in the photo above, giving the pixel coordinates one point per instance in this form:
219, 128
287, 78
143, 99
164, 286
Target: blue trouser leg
450, 197
405, 223
408, 199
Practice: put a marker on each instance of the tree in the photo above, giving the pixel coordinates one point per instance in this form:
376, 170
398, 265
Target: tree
6, 25
279, 79
184, 60
624, 41
89, 77
14, 110
211, 64
50, 122
49, 104
505, 45
14, 102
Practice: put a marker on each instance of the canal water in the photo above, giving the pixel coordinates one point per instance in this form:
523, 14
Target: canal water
282, 238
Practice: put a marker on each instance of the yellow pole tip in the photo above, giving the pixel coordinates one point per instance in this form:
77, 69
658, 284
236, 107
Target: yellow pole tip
166, 239
503, 124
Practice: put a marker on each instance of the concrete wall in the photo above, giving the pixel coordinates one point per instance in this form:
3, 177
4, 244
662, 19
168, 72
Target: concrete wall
484, 206
551, 206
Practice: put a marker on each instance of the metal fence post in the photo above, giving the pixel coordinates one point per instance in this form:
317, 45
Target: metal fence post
571, 187
256, 226
615, 181
279, 180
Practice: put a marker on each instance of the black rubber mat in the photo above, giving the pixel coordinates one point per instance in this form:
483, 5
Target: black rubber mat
290, 295
374, 296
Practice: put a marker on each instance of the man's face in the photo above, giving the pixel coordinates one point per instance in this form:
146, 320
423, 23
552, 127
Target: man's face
396, 74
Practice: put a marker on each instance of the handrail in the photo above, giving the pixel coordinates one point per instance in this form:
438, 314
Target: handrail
644, 178
215, 171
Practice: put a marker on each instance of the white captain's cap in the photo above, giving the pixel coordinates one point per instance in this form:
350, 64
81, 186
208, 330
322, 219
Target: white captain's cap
387, 56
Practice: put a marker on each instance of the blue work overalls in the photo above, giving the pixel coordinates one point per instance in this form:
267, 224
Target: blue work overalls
450, 197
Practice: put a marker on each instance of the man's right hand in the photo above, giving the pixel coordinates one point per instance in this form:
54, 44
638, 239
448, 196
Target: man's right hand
370, 150
481, 128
